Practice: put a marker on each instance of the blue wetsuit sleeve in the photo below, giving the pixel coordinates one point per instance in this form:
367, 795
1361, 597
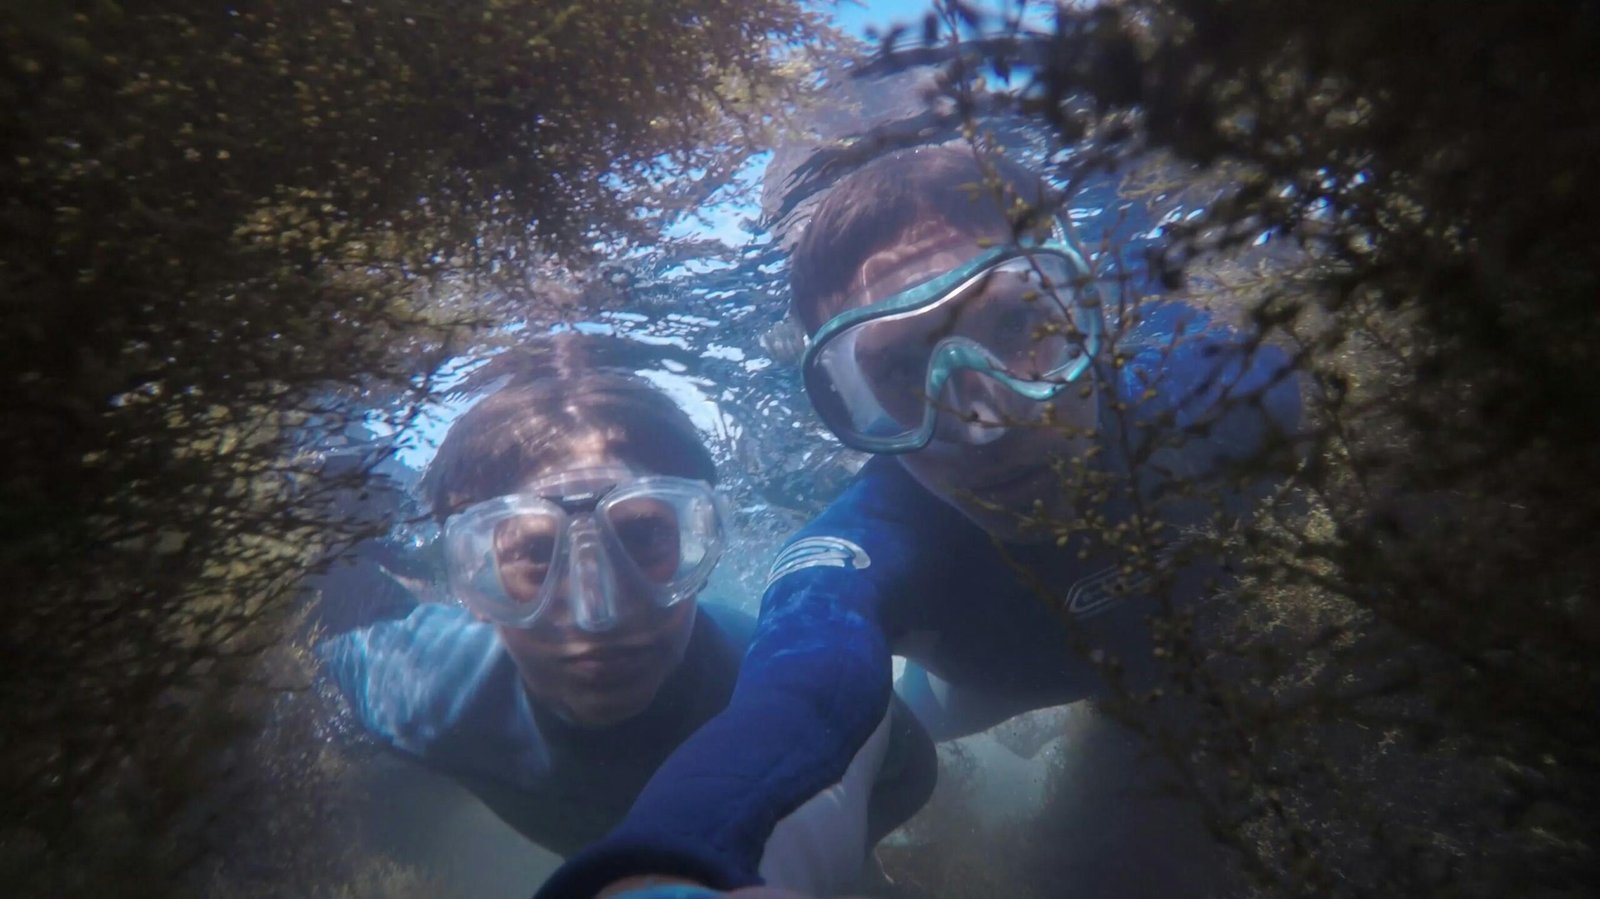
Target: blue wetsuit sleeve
814, 686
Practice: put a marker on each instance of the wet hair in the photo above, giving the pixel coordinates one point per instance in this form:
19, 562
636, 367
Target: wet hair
896, 195
549, 396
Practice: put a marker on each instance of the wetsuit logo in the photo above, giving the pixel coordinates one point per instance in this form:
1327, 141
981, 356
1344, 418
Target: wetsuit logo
817, 552
1109, 586
1104, 589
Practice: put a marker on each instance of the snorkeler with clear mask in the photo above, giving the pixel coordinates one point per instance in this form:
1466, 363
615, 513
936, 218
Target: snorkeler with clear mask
973, 358
579, 525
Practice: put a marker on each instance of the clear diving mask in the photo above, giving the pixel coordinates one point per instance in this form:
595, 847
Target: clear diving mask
590, 539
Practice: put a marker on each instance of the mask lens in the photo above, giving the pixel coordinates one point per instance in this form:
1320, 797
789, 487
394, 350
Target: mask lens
669, 531
873, 379
1023, 316
649, 532
524, 550
503, 555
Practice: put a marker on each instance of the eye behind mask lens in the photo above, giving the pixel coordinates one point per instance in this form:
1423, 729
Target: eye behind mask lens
649, 532
525, 548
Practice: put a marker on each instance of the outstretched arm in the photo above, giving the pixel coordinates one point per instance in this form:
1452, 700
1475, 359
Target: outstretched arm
729, 808
813, 689
436, 685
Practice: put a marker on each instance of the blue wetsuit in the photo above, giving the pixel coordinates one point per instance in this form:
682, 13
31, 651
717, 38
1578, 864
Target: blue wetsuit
888, 566
439, 687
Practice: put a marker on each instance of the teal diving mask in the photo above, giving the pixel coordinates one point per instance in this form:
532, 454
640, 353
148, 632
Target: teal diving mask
1024, 318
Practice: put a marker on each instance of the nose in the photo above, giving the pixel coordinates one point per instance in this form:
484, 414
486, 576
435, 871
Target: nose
974, 409
591, 585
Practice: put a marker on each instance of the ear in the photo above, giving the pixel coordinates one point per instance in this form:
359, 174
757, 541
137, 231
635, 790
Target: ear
881, 263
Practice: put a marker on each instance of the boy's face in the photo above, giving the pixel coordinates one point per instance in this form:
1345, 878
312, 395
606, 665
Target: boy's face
600, 678
989, 478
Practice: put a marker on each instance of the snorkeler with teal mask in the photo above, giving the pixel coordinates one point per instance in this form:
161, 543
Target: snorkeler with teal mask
973, 359
1025, 316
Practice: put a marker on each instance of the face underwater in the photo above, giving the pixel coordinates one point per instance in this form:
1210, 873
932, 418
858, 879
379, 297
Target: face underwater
589, 573
982, 381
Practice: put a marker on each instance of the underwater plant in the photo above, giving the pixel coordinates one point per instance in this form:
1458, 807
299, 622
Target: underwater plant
231, 233
1396, 694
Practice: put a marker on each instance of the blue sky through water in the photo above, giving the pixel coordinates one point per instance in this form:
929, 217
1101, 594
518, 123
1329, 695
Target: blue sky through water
726, 221
854, 18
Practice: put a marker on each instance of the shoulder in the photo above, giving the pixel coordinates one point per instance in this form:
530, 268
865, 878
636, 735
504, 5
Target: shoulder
435, 639
1199, 402
1180, 364
411, 682
884, 549
885, 499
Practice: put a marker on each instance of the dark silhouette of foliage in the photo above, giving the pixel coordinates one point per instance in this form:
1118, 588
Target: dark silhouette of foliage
229, 232
1398, 696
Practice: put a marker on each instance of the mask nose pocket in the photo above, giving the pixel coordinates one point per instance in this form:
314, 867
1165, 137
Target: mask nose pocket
975, 409
591, 582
